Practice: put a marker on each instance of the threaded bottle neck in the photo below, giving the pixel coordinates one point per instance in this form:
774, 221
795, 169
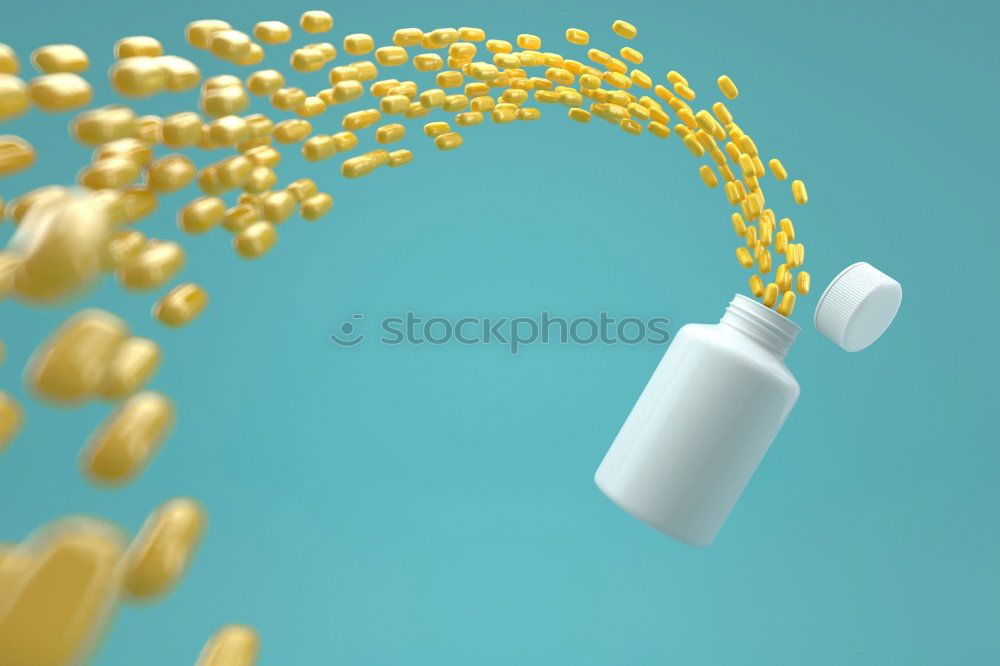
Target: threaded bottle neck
760, 323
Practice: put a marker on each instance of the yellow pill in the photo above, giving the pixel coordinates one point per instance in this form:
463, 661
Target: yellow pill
229, 44
427, 62
448, 141
739, 226
134, 363
453, 103
170, 173
71, 364
199, 33
782, 276
799, 192
787, 304
641, 79
526, 41
358, 44
499, 46
316, 148
579, 115
292, 131
763, 260
14, 98
727, 87
356, 167
436, 128
8, 60
802, 282
744, 257
756, 286
366, 70
267, 82
138, 77
534, 114
631, 55
684, 91
123, 245
751, 236
799, 253
56, 58
147, 128
770, 295
124, 445
60, 588
559, 75
16, 154
130, 47
407, 37
577, 36
233, 645
708, 176
391, 56
201, 215
316, 21
316, 206
382, 88
624, 29
307, 60
472, 34
104, 125
161, 552
59, 92
401, 157
181, 305
390, 133
570, 98
780, 242
692, 144
277, 207
393, 104
361, 119
138, 202
312, 106
272, 32
788, 228
630, 126
158, 262
255, 240
11, 418
440, 38
240, 216
658, 129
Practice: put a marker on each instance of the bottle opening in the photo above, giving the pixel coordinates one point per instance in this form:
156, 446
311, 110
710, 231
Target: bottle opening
756, 320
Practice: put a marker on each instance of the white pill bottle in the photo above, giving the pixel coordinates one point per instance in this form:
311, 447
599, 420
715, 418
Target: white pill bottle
701, 426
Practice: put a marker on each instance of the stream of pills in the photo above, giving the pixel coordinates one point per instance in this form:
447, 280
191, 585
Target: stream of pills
59, 588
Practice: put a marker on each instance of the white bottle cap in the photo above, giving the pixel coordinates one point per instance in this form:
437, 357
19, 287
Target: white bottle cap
858, 306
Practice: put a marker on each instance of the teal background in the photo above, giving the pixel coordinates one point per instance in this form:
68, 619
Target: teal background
434, 505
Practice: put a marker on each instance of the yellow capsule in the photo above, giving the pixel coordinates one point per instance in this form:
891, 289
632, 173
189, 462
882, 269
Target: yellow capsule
453, 103
499, 46
104, 125
739, 226
799, 192
799, 253
440, 38
641, 79
658, 129
686, 117
722, 113
787, 304
764, 260
534, 114
288, 99
391, 56
272, 32
124, 445
390, 133
448, 141
59, 92
727, 87
344, 141
161, 552
630, 126
59, 592
436, 129
292, 131
577, 36
316, 21
56, 58
316, 206
631, 55
366, 70
357, 120
559, 75
624, 29
170, 173
802, 282
358, 44
123, 245
541, 96
233, 645
8, 60
617, 80
158, 262
70, 366
181, 130
312, 106
770, 295
408, 37
472, 34
751, 236
16, 154
276, 207
744, 257
788, 228
240, 216
382, 88
307, 60
501, 116
302, 189
138, 202
395, 104
234, 171
140, 76
482, 104
255, 240
708, 176
780, 242
199, 33
432, 98
131, 47
400, 157
469, 118
181, 305
11, 418
316, 148
13, 96
229, 44
133, 364
148, 128
427, 62
692, 144
756, 286
201, 215
265, 82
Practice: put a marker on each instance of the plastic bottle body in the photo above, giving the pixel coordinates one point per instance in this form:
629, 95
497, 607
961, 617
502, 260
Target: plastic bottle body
714, 404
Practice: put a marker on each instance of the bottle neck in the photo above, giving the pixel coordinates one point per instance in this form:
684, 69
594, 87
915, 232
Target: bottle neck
761, 324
